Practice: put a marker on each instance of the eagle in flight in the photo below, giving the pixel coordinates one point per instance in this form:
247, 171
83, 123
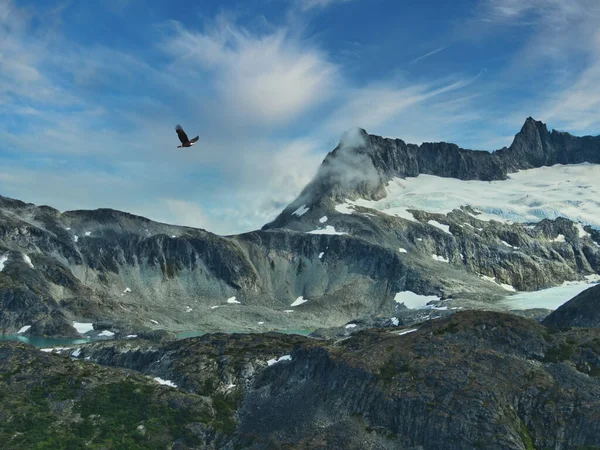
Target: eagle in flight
185, 142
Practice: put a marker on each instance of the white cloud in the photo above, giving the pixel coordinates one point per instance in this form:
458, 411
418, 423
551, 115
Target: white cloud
182, 212
270, 78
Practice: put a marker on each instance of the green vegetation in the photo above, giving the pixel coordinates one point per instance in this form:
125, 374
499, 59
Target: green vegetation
225, 407
562, 352
452, 327
525, 436
61, 414
388, 371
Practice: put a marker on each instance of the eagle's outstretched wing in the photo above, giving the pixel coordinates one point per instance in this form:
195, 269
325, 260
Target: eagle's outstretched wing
181, 134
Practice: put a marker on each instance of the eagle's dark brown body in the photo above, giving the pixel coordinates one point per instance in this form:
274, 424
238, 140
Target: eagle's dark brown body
185, 142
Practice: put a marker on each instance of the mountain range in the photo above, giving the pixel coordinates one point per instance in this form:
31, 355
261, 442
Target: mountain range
402, 260
385, 233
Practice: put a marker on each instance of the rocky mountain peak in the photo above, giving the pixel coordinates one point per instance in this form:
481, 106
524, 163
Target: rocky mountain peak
362, 164
532, 146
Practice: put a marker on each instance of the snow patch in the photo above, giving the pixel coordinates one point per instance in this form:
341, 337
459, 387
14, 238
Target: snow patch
387, 205
126, 290
402, 333
27, 260
508, 245
440, 258
154, 321
88, 233
188, 309
232, 301
165, 382
283, 358
508, 287
344, 208
559, 238
261, 323
327, 230
414, 301
444, 228
403, 250
107, 333
323, 219
351, 325
214, 307
581, 231
57, 349
395, 321
321, 255
24, 329
3, 260
75, 238
83, 328
301, 211
76, 353
131, 336
288, 311
300, 300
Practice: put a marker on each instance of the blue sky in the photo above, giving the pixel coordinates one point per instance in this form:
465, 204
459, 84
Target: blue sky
90, 93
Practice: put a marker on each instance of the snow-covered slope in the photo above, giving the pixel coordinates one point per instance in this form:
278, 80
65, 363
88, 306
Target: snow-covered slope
570, 191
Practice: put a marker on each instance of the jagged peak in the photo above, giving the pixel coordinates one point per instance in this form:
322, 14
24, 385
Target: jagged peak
533, 125
370, 161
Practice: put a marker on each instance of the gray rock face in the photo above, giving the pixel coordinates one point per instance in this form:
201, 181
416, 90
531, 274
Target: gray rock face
581, 311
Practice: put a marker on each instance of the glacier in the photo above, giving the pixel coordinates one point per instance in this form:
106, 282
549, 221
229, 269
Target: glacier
570, 191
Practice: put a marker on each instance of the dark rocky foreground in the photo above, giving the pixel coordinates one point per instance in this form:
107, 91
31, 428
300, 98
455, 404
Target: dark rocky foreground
473, 380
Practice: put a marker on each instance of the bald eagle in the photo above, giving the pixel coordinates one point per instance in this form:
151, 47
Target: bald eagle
185, 142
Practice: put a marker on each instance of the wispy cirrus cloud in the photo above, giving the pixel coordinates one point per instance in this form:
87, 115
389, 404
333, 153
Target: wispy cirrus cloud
554, 65
376, 106
427, 55
305, 5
